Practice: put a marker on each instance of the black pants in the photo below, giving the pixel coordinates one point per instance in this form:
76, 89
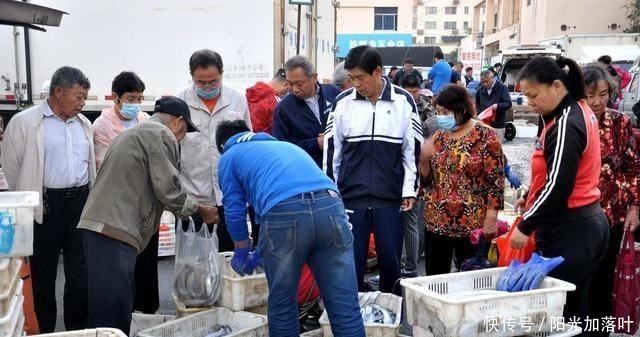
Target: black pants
57, 233
147, 297
225, 243
583, 244
111, 264
602, 282
439, 250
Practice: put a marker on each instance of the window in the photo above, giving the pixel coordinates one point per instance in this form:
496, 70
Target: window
429, 40
431, 10
449, 25
528, 2
430, 25
414, 25
413, 40
450, 10
465, 25
466, 9
385, 18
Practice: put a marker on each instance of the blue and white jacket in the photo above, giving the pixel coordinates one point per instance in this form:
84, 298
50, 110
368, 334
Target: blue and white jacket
372, 151
257, 169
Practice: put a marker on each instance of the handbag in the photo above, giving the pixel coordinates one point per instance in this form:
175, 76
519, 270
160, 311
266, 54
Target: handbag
626, 287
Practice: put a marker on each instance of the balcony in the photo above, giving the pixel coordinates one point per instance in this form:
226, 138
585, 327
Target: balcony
452, 38
456, 2
494, 35
420, 32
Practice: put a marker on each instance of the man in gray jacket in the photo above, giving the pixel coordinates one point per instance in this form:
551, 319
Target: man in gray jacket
139, 178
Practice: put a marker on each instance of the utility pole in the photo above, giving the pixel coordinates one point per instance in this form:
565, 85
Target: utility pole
299, 3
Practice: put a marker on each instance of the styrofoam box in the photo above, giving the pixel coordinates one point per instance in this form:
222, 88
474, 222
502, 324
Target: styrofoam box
11, 287
389, 301
9, 321
568, 331
428, 308
243, 324
20, 205
141, 322
100, 332
240, 292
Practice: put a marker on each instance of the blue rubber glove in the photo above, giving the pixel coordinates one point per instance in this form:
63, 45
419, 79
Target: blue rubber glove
512, 177
239, 259
534, 271
503, 280
253, 261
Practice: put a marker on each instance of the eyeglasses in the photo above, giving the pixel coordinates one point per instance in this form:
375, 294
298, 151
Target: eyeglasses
202, 84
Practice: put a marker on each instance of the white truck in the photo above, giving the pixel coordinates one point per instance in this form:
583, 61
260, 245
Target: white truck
623, 48
155, 39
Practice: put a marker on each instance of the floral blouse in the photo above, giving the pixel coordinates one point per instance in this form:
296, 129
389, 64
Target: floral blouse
468, 179
620, 166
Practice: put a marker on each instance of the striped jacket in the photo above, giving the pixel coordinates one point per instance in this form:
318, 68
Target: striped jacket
372, 151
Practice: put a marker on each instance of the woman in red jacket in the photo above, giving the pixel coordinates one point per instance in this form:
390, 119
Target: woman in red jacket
563, 204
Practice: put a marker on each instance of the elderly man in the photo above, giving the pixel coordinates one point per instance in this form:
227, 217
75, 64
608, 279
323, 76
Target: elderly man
263, 98
495, 95
301, 117
340, 77
303, 220
115, 235
373, 144
210, 102
49, 148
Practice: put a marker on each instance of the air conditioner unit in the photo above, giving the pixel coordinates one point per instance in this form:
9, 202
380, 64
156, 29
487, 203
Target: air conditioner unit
420, 31
456, 2
454, 31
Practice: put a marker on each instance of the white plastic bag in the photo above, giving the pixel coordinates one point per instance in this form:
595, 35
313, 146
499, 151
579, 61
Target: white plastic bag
197, 273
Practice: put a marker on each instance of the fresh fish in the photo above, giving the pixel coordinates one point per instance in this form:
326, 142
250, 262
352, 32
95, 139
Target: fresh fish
220, 331
375, 314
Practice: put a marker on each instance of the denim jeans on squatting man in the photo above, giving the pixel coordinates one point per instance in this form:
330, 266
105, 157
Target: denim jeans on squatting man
311, 227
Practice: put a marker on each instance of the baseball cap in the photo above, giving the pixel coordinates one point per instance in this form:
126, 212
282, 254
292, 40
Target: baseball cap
176, 107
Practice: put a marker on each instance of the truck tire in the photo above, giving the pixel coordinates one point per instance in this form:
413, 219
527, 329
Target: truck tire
509, 131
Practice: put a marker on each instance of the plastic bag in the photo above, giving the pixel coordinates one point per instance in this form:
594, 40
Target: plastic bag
507, 253
488, 115
197, 273
626, 286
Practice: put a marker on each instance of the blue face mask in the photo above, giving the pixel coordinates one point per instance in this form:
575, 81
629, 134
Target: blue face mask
130, 110
210, 94
447, 122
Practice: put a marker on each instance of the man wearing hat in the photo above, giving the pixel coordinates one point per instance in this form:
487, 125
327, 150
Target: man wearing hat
139, 178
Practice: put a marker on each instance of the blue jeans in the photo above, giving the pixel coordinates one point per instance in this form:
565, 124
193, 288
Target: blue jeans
310, 227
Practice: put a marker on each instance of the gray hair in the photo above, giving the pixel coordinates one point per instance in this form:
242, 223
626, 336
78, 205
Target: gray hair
596, 72
66, 77
300, 61
486, 74
164, 118
339, 75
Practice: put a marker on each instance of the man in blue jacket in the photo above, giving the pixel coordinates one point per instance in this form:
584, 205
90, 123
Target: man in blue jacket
440, 73
493, 94
301, 117
302, 219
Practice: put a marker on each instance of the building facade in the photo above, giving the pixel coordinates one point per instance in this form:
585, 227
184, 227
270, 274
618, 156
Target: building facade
442, 22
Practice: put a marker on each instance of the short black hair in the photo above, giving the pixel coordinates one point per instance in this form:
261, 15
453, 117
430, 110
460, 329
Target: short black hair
227, 129
606, 59
439, 55
410, 81
205, 58
364, 57
450, 64
127, 81
468, 69
497, 65
408, 61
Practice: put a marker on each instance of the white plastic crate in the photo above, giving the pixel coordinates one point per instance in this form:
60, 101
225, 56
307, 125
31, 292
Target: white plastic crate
389, 301
20, 205
10, 288
240, 292
318, 333
568, 331
243, 324
100, 332
428, 308
9, 321
141, 322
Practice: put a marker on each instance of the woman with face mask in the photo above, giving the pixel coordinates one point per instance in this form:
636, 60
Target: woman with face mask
128, 91
618, 182
563, 203
465, 169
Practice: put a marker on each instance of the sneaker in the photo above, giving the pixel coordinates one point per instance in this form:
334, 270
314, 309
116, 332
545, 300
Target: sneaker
409, 274
374, 280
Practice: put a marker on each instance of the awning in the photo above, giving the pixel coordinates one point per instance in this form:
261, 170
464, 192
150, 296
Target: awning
18, 13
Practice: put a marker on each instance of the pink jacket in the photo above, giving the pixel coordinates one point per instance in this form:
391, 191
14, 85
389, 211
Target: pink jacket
106, 128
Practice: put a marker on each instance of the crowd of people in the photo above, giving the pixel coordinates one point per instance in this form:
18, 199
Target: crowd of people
317, 168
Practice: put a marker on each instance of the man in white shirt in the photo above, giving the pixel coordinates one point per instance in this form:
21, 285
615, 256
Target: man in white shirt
49, 148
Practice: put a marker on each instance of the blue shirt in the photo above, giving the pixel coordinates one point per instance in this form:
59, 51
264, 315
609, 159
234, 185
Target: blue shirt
259, 170
67, 151
441, 75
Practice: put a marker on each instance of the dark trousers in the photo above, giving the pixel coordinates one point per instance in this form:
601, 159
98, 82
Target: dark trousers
111, 264
225, 243
57, 233
602, 282
147, 297
583, 244
439, 250
388, 230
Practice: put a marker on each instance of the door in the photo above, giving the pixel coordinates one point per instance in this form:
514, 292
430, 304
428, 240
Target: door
630, 96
